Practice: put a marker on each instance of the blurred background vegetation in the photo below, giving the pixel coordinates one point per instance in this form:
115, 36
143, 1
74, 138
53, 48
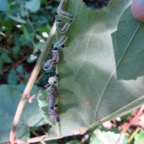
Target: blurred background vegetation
25, 26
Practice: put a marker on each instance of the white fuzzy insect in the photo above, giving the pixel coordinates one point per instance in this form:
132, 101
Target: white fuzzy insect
63, 13
52, 80
61, 42
63, 29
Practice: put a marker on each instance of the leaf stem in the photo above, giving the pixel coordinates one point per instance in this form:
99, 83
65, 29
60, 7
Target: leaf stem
30, 84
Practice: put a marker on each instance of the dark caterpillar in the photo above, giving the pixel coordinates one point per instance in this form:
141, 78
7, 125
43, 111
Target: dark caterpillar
52, 90
63, 13
48, 65
63, 29
55, 115
61, 42
52, 81
51, 100
50, 62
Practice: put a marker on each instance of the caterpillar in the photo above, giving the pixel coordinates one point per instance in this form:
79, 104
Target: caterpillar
55, 56
52, 80
63, 29
48, 65
55, 115
63, 13
51, 100
50, 62
51, 86
52, 90
61, 42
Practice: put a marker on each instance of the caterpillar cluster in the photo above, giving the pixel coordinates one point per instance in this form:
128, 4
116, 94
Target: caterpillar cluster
51, 87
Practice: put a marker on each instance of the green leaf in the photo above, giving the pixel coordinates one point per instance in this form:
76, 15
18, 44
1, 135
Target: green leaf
4, 5
102, 137
17, 19
12, 77
139, 138
33, 5
5, 57
96, 79
16, 50
1, 65
28, 32
20, 69
9, 98
43, 104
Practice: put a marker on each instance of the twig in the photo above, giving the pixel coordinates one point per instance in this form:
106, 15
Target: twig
31, 140
136, 117
30, 84
133, 135
3, 34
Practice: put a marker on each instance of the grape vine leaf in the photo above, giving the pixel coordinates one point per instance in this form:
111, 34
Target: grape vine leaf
101, 69
9, 98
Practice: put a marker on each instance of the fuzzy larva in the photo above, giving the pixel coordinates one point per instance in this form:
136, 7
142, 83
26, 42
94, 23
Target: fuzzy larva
61, 42
52, 80
51, 102
55, 56
63, 29
48, 65
63, 13
52, 90
55, 114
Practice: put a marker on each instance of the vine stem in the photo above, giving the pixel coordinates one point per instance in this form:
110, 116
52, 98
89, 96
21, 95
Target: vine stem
33, 140
30, 83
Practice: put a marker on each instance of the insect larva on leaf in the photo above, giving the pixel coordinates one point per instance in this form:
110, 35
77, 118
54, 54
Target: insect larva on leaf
63, 29
52, 80
48, 65
55, 56
52, 90
61, 42
63, 13
55, 114
51, 100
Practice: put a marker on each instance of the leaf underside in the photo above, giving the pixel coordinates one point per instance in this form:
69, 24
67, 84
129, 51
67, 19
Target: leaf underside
101, 69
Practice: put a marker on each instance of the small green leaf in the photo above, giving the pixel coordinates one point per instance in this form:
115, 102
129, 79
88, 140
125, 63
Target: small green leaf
12, 77
17, 19
33, 5
102, 137
19, 69
27, 33
16, 50
5, 57
4, 5
1, 65
139, 138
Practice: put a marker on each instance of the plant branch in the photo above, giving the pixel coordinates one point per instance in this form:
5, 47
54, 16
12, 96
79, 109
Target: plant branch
31, 140
35, 139
30, 84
